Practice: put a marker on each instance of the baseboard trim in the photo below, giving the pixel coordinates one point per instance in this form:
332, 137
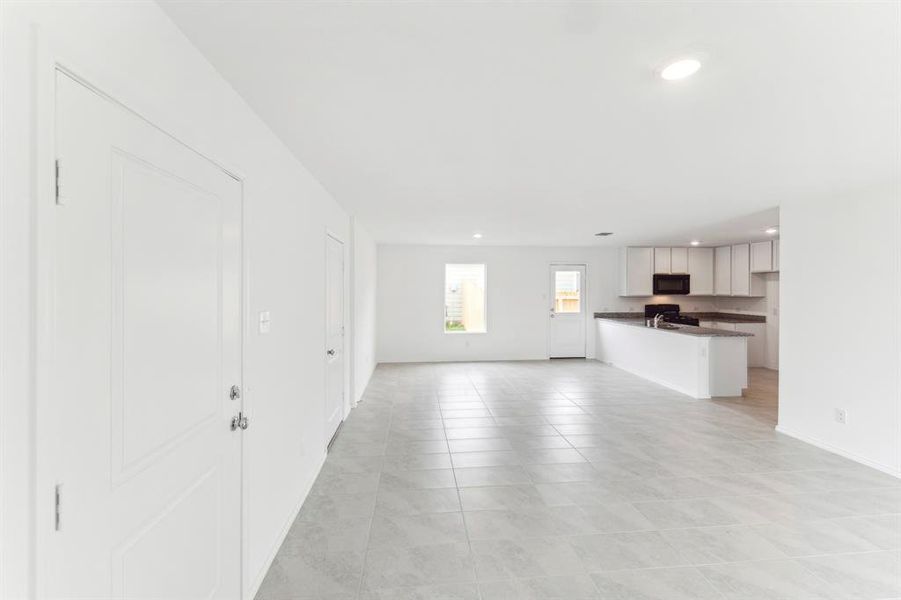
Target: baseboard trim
251, 591
843, 453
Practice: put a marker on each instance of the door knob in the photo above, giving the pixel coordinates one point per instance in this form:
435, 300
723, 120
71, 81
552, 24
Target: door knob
331, 352
234, 393
239, 421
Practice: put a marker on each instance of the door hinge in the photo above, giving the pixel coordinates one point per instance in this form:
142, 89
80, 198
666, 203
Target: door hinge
57, 510
58, 181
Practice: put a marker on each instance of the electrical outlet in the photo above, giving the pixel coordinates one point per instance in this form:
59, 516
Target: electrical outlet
841, 416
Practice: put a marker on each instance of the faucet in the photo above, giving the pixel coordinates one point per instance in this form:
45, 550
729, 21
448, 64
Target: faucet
657, 318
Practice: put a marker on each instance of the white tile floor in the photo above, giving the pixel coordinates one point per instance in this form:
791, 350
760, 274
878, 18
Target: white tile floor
572, 479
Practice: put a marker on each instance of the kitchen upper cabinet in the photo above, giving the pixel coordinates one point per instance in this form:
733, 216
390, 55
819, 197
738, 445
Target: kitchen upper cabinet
700, 269
724, 271
671, 260
679, 260
662, 260
762, 257
636, 272
775, 255
743, 282
722, 274
741, 270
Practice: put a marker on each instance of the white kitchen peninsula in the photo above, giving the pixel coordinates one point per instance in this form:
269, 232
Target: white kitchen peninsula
696, 361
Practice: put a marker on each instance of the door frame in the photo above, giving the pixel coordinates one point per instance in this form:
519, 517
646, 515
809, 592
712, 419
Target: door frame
585, 320
48, 63
345, 274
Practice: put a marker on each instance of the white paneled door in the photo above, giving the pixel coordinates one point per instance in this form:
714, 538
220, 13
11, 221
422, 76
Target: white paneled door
139, 460
567, 311
334, 353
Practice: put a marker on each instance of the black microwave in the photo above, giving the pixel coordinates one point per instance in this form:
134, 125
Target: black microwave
671, 285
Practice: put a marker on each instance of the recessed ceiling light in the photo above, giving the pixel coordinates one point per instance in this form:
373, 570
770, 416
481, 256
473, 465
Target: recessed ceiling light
680, 69
604, 233
771, 230
477, 236
695, 243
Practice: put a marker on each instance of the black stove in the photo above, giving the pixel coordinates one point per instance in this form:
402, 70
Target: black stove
670, 314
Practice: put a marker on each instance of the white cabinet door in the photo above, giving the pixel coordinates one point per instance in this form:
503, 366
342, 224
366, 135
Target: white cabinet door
741, 270
775, 255
756, 344
700, 269
722, 279
637, 272
761, 257
679, 260
662, 260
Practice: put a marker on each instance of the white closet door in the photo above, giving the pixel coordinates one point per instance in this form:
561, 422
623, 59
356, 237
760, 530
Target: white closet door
334, 354
147, 344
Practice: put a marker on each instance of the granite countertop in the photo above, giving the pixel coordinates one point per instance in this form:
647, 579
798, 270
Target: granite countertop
726, 317
702, 316
633, 321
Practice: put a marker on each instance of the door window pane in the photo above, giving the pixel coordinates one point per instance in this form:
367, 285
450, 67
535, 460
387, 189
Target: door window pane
464, 299
567, 291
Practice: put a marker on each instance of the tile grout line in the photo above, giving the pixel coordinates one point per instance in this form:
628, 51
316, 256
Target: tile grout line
374, 505
768, 520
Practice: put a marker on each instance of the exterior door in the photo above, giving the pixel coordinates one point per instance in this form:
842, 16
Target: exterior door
146, 334
334, 352
567, 311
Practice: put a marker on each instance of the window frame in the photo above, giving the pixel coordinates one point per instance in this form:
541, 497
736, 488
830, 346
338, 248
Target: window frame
581, 288
484, 299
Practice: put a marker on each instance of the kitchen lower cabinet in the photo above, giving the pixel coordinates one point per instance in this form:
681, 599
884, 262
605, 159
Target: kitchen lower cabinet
756, 344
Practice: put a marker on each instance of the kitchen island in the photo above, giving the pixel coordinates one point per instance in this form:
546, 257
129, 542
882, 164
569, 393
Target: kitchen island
698, 361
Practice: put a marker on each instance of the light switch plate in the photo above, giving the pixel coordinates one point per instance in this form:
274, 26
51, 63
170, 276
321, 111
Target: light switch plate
265, 322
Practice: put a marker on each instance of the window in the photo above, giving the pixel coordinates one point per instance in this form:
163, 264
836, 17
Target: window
464, 299
567, 291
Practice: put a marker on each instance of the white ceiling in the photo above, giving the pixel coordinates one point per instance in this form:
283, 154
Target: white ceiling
544, 122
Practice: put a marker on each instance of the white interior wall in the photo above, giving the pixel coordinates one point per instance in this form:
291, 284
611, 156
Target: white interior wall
134, 53
364, 318
840, 307
411, 300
